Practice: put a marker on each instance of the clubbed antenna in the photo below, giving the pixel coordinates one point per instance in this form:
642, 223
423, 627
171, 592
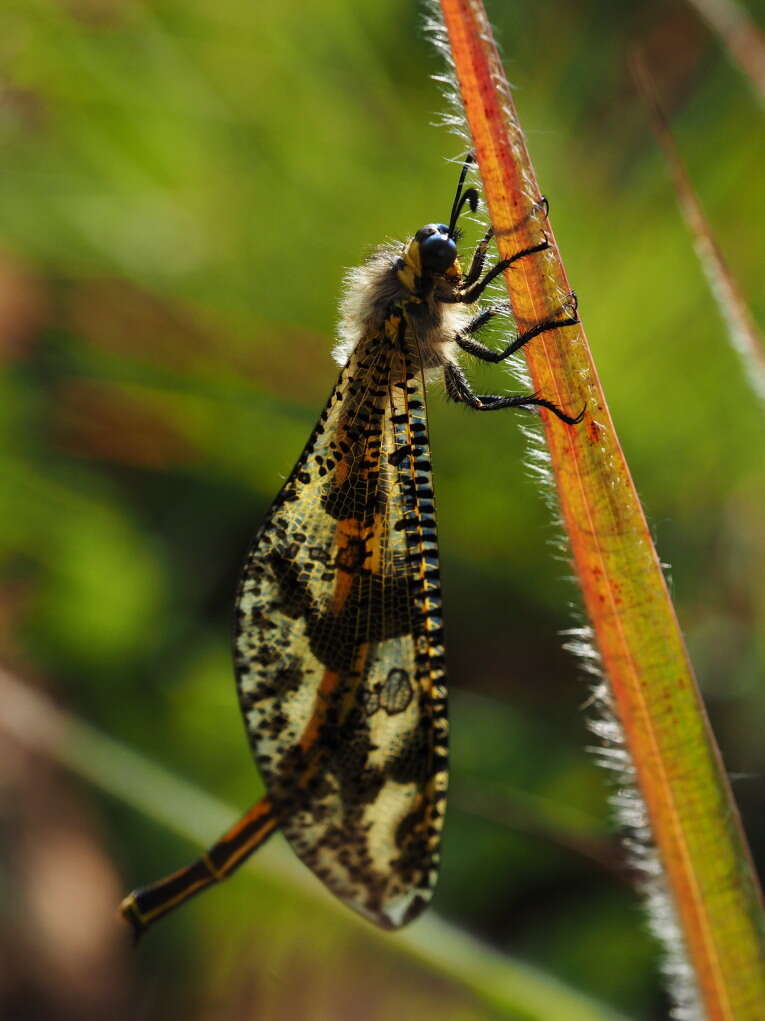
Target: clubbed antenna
470, 196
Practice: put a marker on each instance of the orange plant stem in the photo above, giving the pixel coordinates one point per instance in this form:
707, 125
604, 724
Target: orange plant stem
678, 771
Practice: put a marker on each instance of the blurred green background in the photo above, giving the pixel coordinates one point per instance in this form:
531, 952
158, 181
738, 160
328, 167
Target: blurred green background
182, 185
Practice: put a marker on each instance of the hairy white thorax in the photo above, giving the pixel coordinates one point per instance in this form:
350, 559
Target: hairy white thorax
370, 290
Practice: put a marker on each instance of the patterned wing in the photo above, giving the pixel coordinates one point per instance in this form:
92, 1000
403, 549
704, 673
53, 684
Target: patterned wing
339, 642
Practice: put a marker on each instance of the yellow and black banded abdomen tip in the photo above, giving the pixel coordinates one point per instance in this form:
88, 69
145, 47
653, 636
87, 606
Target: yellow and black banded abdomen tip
131, 914
146, 905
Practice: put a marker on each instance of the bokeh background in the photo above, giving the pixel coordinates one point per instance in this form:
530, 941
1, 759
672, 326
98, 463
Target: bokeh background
182, 185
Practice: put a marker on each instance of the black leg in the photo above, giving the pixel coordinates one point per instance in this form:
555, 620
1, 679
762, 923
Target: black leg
479, 350
479, 255
458, 389
483, 318
470, 294
478, 260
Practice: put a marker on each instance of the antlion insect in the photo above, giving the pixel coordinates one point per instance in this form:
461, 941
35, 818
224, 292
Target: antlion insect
339, 641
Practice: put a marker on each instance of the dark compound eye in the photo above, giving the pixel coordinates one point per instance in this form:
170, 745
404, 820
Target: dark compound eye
438, 250
438, 253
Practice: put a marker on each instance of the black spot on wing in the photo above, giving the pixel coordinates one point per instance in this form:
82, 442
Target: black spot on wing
295, 600
399, 455
410, 764
352, 556
365, 617
413, 840
348, 747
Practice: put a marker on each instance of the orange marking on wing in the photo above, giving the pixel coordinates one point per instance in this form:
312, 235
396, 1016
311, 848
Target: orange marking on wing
348, 536
329, 683
326, 689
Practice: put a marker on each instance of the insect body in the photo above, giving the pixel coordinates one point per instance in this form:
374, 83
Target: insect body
338, 641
